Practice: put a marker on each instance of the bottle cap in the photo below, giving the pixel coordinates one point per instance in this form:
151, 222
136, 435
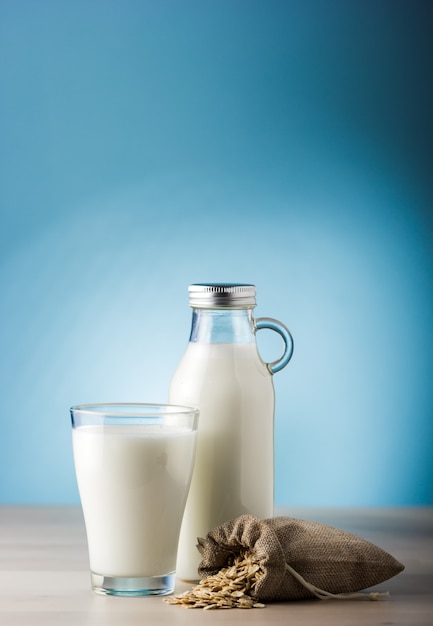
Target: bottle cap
222, 295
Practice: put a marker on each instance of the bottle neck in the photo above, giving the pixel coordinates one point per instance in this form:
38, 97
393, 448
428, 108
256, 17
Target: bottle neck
222, 326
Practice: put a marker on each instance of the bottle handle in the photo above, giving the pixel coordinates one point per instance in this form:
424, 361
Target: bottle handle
272, 324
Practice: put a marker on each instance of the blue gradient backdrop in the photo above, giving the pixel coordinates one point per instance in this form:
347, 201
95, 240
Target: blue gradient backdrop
149, 144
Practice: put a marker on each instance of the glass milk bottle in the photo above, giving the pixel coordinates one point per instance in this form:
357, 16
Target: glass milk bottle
223, 375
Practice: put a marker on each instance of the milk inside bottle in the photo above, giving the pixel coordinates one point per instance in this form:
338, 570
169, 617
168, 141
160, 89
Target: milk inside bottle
223, 375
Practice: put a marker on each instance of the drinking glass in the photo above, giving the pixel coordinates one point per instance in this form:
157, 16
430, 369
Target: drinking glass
133, 463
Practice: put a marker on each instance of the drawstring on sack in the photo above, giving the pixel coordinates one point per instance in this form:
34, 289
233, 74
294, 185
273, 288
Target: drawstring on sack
326, 595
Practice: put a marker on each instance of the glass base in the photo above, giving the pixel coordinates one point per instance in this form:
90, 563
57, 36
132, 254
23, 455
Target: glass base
141, 586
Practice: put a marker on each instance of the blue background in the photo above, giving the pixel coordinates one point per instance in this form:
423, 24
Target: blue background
146, 145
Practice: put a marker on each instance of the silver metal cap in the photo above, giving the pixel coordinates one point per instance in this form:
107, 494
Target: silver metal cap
222, 295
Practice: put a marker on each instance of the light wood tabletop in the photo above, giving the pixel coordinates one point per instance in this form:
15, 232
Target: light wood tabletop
44, 577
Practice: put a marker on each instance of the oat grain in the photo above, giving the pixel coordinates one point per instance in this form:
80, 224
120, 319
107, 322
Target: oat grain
230, 588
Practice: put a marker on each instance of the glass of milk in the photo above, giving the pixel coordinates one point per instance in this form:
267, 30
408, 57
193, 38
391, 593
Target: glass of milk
133, 463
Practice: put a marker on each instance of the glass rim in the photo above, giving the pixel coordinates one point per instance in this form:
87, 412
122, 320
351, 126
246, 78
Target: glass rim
133, 409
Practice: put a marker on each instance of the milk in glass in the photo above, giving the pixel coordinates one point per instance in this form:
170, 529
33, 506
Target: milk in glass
133, 483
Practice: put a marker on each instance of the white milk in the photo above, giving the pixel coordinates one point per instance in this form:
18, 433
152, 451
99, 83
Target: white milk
233, 471
133, 485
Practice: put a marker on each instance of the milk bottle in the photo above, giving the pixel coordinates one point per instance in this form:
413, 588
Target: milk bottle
222, 374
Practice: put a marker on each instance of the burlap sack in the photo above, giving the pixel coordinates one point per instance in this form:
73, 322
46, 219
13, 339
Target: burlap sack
300, 559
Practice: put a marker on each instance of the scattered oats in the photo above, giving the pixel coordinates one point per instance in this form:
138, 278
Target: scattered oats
230, 588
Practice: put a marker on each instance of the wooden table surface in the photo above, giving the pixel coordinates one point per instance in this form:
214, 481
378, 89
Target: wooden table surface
44, 577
